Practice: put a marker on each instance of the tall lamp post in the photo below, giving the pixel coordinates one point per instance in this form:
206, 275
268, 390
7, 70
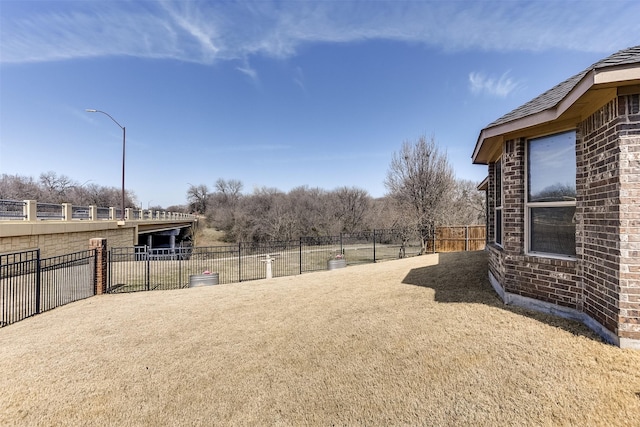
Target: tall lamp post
124, 138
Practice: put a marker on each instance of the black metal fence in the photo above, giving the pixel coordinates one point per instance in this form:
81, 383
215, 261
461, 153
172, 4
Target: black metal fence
30, 285
140, 268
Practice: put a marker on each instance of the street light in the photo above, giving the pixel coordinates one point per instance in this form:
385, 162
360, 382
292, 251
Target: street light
124, 137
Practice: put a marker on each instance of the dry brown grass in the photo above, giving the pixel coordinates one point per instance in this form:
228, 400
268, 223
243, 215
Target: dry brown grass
418, 341
207, 236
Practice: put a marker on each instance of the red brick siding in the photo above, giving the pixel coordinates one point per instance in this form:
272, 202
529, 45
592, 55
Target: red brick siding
598, 213
604, 280
545, 279
628, 129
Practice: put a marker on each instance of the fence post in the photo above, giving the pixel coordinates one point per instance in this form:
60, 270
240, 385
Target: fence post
38, 281
435, 230
300, 255
180, 256
148, 272
466, 238
374, 245
99, 245
239, 262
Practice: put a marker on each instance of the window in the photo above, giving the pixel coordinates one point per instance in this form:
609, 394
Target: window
498, 202
551, 195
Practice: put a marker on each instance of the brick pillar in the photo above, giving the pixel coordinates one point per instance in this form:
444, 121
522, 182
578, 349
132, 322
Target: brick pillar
100, 246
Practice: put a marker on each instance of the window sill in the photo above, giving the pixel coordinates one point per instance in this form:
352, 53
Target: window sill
551, 256
495, 246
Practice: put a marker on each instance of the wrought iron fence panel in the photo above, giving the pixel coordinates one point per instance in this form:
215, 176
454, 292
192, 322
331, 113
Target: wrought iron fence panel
358, 248
67, 278
315, 252
396, 243
223, 260
128, 269
19, 285
30, 285
284, 257
141, 268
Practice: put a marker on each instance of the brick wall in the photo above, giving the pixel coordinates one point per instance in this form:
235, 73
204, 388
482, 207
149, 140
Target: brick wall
608, 210
604, 280
628, 129
598, 213
550, 280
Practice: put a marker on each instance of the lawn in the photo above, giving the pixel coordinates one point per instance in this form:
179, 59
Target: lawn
417, 341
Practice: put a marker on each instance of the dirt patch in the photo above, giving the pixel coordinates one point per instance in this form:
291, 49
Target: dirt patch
418, 341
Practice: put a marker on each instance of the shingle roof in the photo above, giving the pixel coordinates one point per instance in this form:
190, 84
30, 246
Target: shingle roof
553, 96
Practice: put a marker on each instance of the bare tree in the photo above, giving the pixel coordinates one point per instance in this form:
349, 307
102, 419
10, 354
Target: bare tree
224, 209
350, 208
311, 210
420, 179
466, 204
197, 196
55, 186
178, 208
230, 190
15, 187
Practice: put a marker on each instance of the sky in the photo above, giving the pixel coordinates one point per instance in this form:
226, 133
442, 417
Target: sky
276, 94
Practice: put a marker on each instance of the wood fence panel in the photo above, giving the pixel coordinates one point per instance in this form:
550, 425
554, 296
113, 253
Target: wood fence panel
460, 238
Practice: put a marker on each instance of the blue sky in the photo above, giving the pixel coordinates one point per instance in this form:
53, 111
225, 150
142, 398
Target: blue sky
276, 94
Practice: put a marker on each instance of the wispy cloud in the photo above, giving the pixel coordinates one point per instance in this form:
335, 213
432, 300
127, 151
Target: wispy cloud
206, 32
298, 78
501, 87
249, 71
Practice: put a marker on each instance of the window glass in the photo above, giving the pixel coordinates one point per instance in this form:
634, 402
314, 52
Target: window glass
552, 168
498, 202
553, 230
498, 183
499, 226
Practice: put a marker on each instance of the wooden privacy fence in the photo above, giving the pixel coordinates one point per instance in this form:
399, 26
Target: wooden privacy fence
458, 238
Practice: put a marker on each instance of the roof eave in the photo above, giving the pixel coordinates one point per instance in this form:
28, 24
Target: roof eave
622, 73
532, 120
484, 184
611, 76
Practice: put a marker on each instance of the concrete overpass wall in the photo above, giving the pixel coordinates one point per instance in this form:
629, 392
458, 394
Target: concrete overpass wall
63, 229
55, 239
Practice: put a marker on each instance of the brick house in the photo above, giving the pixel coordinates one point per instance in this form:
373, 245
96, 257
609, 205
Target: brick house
563, 199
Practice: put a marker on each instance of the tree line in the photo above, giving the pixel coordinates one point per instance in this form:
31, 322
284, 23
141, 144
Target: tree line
422, 193
53, 188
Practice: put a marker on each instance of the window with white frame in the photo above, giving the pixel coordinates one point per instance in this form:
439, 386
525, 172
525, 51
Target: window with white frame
498, 202
551, 195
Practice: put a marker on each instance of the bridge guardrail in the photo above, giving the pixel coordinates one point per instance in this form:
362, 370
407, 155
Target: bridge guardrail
32, 210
